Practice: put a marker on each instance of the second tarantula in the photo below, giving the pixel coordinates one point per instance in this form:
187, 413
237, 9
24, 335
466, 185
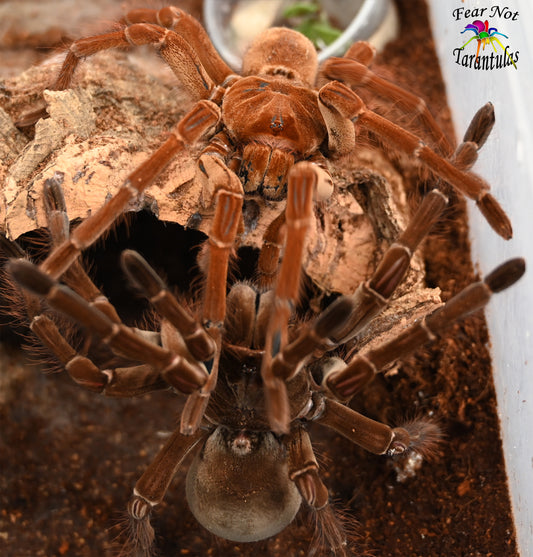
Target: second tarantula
253, 375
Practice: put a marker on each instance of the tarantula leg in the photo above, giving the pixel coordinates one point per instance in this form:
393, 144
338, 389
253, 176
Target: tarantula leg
133, 381
200, 120
191, 30
196, 403
241, 315
355, 73
176, 370
274, 236
303, 470
420, 435
219, 146
373, 296
56, 209
338, 120
178, 51
298, 217
81, 369
345, 383
298, 214
152, 486
370, 298
170, 45
31, 303
58, 225
475, 136
62, 257
221, 243
179, 54
481, 125
289, 360
344, 101
47, 332
78, 49
122, 382
198, 342
369, 434
362, 52
118, 382
268, 262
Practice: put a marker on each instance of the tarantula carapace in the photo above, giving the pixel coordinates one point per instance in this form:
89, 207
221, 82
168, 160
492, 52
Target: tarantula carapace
254, 373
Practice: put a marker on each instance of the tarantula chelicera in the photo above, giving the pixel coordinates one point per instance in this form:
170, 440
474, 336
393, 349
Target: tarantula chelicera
254, 375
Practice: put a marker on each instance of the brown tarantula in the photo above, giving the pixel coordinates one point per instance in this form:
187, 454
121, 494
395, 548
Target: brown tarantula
254, 374
253, 383
263, 122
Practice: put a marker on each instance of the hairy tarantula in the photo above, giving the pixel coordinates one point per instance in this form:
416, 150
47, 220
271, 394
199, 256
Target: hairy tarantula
253, 374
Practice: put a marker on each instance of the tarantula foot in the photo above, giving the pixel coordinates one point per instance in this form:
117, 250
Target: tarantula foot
422, 436
495, 215
141, 535
400, 442
481, 125
139, 508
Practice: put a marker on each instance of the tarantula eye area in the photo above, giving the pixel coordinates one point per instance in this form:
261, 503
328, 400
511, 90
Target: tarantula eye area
285, 72
238, 486
282, 51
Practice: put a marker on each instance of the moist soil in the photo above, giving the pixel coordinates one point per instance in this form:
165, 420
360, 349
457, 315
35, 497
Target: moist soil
68, 458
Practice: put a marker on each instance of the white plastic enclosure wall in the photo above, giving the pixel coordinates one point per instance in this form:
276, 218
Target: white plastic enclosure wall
507, 162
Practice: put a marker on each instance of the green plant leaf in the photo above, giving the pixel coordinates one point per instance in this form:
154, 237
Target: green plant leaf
319, 32
299, 9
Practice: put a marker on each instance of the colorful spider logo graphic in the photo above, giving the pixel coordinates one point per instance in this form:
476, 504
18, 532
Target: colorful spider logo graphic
485, 35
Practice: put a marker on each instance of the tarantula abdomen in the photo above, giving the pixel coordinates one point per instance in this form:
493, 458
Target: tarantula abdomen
238, 485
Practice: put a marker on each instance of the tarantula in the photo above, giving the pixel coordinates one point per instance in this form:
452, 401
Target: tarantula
252, 383
261, 123
254, 374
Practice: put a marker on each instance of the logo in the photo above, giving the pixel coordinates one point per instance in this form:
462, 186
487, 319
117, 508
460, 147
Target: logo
497, 55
